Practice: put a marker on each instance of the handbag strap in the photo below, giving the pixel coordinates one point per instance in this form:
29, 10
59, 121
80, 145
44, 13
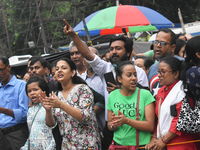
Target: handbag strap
32, 125
159, 105
137, 118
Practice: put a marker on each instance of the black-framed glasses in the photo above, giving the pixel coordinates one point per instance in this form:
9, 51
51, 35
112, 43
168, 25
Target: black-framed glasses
1, 70
162, 43
162, 72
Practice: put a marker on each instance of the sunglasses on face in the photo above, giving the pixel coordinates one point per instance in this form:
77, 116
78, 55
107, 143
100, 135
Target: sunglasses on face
162, 43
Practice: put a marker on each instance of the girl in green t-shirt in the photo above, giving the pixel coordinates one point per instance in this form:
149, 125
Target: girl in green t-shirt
122, 105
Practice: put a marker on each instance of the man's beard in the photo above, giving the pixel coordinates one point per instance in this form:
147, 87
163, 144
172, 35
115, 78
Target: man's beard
123, 58
158, 58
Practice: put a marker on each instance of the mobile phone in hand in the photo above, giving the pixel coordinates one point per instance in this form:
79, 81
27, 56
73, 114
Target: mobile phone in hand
124, 31
109, 78
173, 110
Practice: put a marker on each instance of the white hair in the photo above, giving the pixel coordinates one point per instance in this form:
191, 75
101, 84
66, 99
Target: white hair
71, 44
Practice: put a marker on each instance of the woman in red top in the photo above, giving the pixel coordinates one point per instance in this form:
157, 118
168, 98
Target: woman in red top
168, 106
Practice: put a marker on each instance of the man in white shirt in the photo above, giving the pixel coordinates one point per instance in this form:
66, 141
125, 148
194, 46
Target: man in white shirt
120, 50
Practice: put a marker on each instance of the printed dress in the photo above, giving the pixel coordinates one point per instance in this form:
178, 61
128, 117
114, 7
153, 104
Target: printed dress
78, 135
193, 80
41, 137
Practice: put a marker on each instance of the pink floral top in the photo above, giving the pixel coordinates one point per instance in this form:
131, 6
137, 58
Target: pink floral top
76, 134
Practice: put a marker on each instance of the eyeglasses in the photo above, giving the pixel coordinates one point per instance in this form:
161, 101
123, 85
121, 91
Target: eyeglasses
1, 70
162, 72
162, 43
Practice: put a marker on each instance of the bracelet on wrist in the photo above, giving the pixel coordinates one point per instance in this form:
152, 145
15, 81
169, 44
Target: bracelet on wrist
153, 136
163, 140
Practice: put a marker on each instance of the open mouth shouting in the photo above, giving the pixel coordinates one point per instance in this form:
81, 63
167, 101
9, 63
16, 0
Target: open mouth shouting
34, 98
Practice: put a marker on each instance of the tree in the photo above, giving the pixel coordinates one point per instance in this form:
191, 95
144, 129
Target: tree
24, 26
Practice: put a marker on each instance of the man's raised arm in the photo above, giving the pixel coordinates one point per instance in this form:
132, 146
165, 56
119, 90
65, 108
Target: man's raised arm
82, 47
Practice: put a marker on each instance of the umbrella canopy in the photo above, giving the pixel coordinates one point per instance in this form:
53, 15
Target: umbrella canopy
111, 20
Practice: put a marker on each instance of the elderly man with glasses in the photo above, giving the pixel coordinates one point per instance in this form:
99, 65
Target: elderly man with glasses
13, 108
164, 45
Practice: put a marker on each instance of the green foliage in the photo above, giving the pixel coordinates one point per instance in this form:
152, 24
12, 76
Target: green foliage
23, 21
169, 8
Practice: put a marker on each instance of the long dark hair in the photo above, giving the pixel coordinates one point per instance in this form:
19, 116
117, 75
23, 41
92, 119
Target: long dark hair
192, 47
41, 83
75, 79
179, 44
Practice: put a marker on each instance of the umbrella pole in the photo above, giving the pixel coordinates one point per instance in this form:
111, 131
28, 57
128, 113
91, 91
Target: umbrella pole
181, 20
117, 2
86, 30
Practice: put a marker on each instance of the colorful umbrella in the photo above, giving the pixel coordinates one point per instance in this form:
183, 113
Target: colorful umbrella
111, 20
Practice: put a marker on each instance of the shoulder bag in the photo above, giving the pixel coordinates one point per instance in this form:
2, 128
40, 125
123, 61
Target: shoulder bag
189, 119
32, 125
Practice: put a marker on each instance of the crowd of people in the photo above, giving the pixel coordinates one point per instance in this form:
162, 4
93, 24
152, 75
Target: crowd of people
71, 104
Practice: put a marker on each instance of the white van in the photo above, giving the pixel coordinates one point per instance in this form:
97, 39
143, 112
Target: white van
192, 28
17, 60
